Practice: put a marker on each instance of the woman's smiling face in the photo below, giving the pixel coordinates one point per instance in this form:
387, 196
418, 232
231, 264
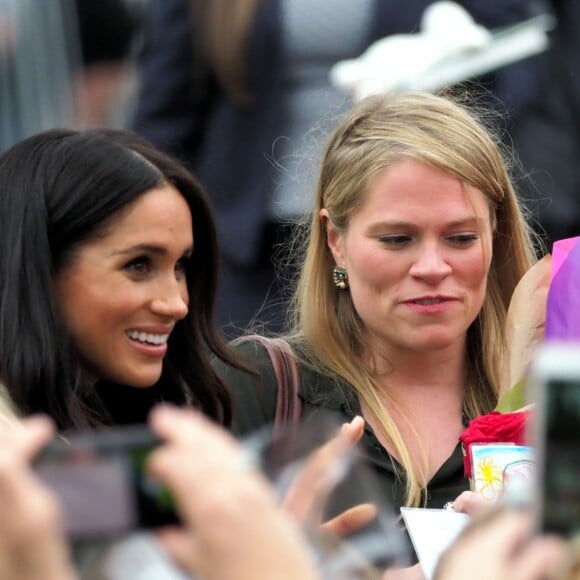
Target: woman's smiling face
123, 292
418, 254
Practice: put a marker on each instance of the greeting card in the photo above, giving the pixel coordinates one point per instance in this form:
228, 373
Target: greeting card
497, 466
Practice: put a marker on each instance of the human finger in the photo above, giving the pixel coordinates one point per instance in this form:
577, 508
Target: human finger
316, 479
541, 559
351, 520
32, 536
354, 430
414, 572
470, 502
28, 436
184, 426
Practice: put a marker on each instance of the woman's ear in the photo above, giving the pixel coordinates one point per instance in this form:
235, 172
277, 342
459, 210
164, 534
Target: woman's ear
334, 238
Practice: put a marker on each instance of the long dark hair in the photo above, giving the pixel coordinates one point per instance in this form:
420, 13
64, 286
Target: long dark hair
57, 190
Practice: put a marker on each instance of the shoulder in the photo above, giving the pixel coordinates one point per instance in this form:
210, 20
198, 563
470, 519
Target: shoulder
253, 354
253, 390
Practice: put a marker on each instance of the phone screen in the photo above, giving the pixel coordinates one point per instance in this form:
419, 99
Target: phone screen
561, 473
101, 482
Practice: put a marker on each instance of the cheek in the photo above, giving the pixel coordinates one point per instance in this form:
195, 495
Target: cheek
184, 291
375, 276
362, 270
375, 267
474, 271
96, 310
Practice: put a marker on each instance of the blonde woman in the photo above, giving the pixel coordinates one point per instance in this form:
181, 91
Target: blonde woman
416, 243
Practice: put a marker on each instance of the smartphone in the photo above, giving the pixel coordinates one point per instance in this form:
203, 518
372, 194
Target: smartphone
555, 434
101, 482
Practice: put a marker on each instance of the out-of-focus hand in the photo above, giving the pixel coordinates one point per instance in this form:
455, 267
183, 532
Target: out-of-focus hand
500, 547
410, 573
233, 527
309, 492
32, 541
470, 503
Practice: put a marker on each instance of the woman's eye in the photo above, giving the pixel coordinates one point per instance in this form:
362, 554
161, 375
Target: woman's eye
463, 239
395, 241
181, 265
139, 266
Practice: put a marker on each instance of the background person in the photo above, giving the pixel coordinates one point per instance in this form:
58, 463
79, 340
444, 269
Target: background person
547, 134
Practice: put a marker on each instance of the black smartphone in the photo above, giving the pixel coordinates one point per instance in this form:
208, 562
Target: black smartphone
101, 482
555, 381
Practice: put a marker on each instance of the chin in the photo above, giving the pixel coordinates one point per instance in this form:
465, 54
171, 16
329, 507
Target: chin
141, 381
141, 385
434, 343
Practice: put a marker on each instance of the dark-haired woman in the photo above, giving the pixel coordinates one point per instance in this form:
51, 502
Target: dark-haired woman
108, 265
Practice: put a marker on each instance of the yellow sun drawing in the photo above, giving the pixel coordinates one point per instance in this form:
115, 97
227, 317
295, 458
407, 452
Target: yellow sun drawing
488, 478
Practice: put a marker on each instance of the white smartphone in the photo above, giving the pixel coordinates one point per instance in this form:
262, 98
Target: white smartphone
555, 434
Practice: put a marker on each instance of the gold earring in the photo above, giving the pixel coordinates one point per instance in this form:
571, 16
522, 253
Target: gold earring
340, 277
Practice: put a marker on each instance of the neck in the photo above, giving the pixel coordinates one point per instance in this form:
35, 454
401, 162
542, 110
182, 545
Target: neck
422, 375
423, 394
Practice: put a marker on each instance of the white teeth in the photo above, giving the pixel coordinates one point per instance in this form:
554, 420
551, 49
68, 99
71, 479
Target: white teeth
147, 337
428, 301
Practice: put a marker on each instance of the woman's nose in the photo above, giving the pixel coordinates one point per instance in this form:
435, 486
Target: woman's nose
172, 301
431, 263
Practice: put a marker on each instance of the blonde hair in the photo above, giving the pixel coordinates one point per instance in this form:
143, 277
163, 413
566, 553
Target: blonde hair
375, 134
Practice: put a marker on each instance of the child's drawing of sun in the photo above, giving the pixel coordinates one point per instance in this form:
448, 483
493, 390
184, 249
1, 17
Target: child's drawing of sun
488, 478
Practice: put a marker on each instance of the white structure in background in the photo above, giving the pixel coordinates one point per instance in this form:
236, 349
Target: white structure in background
450, 47
38, 48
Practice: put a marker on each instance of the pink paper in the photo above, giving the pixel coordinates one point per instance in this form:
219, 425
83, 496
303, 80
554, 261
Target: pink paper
560, 252
563, 311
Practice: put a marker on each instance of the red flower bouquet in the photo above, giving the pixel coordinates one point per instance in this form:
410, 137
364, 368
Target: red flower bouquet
494, 427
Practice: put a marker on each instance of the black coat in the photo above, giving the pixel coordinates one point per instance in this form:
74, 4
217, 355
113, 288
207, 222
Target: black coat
547, 135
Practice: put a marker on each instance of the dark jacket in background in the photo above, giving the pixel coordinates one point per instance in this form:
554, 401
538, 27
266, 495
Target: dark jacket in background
547, 135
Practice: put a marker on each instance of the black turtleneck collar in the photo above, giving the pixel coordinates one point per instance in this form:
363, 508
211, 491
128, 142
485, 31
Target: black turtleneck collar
128, 405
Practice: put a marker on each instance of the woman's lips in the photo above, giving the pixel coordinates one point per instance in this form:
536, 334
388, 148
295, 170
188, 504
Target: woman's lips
431, 304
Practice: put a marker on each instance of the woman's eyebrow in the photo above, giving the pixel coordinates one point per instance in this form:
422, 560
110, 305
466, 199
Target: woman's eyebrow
462, 222
148, 248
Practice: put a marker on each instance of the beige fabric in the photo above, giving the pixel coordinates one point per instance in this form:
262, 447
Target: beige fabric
7, 412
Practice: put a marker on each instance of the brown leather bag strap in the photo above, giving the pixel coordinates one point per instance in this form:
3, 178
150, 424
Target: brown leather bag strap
287, 371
